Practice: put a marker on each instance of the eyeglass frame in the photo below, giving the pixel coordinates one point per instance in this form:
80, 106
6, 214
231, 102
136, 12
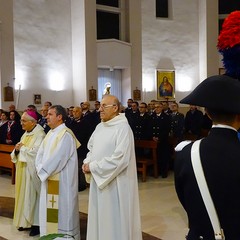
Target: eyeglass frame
107, 106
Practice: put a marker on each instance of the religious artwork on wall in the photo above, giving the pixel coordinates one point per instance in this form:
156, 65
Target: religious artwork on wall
37, 99
221, 71
8, 94
92, 94
136, 94
165, 84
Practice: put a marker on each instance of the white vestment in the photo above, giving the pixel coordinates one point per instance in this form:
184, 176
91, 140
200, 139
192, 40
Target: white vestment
54, 158
27, 182
113, 212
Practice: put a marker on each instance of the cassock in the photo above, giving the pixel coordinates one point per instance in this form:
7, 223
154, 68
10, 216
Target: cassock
113, 212
57, 155
27, 188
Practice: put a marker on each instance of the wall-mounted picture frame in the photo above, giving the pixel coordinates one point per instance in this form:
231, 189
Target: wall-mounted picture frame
37, 99
165, 84
136, 95
8, 94
222, 71
92, 94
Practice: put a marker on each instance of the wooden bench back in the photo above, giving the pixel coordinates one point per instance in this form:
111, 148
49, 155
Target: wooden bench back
5, 159
6, 148
146, 144
144, 161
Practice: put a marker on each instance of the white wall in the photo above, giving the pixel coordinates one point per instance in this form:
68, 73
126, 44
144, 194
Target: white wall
53, 36
43, 50
170, 44
6, 49
78, 49
84, 48
112, 53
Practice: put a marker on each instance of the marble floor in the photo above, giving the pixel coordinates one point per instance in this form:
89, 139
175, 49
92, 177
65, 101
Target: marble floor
161, 213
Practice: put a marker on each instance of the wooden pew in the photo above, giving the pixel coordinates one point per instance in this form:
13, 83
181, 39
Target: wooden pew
144, 161
5, 159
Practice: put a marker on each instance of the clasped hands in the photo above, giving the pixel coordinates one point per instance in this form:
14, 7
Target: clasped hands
18, 146
85, 168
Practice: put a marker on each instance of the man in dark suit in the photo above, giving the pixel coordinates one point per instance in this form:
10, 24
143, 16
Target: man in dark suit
220, 158
193, 121
159, 128
166, 108
82, 128
133, 114
141, 123
177, 123
43, 120
85, 108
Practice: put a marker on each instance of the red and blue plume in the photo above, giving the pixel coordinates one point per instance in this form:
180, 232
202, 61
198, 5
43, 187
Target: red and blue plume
229, 44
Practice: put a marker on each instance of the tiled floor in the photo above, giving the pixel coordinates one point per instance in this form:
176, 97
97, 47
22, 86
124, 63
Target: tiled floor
161, 213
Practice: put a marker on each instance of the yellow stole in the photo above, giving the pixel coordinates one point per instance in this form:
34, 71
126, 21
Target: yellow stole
53, 185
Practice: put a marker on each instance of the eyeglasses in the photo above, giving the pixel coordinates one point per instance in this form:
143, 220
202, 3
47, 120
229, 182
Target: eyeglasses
104, 106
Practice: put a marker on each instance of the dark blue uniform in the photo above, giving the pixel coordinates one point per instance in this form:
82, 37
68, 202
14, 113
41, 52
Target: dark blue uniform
220, 157
140, 126
177, 126
159, 127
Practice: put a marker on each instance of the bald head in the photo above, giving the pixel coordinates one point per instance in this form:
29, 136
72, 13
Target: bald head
112, 99
109, 108
77, 112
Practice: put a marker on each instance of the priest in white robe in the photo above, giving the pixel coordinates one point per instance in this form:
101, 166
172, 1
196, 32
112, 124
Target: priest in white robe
27, 188
57, 162
113, 212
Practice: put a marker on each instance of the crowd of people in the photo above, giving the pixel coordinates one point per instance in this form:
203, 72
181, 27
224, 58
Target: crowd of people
162, 122
49, 154
44, 161
157, 120
41, 137
55, 149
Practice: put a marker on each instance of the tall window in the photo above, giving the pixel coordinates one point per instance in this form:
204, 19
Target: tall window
227, 6
112, 3
224, 8
162, 8
107, 25
110, 19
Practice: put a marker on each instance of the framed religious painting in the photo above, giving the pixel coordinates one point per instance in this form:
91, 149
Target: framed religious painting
165, 84
37, 99
92, 94
136, 95
221, 71
8, 94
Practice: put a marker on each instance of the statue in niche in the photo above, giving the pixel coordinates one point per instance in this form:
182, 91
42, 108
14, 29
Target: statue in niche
107, 88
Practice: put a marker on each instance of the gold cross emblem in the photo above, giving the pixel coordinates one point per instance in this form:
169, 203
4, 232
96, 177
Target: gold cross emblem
52, 201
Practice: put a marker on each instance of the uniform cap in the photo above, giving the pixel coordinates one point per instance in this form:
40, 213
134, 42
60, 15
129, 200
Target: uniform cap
219, 92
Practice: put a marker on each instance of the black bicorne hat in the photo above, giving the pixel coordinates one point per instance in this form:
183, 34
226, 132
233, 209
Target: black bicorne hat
220, 92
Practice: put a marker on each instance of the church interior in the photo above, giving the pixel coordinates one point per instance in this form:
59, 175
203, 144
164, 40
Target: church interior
61, 50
